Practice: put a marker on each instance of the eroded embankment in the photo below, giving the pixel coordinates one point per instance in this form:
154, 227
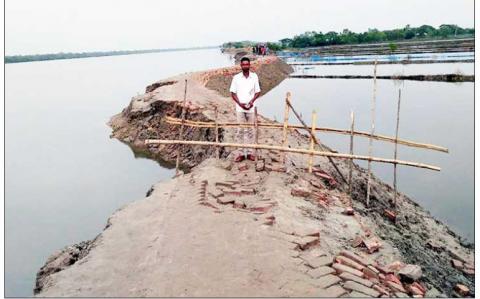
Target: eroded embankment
175, 244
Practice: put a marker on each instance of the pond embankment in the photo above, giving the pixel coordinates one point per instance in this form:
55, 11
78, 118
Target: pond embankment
261, 228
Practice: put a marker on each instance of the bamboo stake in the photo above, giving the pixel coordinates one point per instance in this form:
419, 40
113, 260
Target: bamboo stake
312, 134
316, 141
293, 150
395, 154
372, 132
177, 121
180, 137
255, 120
217, 150
285, 124
350, 172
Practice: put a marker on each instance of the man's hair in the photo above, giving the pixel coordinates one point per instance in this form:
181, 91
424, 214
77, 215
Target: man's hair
244, 59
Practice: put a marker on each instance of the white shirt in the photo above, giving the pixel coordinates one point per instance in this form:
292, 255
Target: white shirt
245, 89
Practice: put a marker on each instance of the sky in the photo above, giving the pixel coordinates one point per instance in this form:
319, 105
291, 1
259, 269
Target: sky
52, 26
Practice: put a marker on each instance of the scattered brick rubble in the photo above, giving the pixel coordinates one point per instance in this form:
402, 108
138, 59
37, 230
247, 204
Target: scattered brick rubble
347, 274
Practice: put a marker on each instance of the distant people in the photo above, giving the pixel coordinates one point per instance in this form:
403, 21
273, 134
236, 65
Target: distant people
245, 89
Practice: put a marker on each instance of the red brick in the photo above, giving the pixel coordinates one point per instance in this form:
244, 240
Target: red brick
355, 257
348, 276
320, 271
316, 262
260, 208
372, 244
419, 286
351, 263
206, 203
395, 266
380, 289
413, 290
224, 200
301, 192
390, 215
457, 264
225, 184
247, 191
369, 273
395, 286
232, 192
468, 271
462, 290
343, 268
393, 278
307, 242
328, 280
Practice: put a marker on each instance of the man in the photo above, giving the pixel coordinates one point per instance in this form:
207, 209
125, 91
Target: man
245, 89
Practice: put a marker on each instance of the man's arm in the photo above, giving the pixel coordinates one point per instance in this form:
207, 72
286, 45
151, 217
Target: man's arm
235, 98
257, 94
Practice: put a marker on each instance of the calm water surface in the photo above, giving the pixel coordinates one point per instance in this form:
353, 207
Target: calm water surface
64, 175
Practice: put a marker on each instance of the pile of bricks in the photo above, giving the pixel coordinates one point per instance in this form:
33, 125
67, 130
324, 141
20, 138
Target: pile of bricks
352, 275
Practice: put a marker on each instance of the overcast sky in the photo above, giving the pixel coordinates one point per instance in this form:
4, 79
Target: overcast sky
51, 26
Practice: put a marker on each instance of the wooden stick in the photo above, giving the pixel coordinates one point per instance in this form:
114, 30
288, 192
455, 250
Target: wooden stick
395, 154
312, 134
255, 120
350, 172
373, 131
177, 121
217, 150
180, 137
292, 150
316, 141
285, 124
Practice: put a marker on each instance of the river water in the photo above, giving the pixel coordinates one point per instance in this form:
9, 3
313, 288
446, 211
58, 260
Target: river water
65, 176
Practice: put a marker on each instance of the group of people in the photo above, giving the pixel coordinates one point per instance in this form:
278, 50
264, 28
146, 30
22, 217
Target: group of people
260, 49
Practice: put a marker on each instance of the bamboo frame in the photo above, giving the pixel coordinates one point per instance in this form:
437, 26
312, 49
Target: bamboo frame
293, 150
350, 171
370, 140
201, 124
315, 140
312, 134
177, 163
285, 124
217, 150
395, 153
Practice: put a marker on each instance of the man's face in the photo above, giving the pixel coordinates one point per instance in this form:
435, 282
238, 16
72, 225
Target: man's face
245, 66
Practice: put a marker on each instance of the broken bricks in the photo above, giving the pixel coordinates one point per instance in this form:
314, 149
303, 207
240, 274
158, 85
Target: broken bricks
300, 192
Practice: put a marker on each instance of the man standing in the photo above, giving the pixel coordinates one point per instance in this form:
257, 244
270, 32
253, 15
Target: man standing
245, 89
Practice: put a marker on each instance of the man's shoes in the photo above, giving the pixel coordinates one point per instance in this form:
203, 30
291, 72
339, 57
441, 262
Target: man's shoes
251, 157
240, 158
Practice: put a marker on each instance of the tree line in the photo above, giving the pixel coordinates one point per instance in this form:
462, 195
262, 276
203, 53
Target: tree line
61, 55
317, 39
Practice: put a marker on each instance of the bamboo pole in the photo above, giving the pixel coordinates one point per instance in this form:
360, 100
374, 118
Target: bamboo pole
350, 172
180, 137
285, 124
370, 140
316, 141
200, 124
395, 153
312, 134
293, 150
217, 150
255, 120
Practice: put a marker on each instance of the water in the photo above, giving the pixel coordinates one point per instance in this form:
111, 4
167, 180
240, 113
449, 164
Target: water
64, 175
431, 112
297, 57
387, 69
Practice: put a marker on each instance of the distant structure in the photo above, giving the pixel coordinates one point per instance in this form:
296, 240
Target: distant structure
260, 49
